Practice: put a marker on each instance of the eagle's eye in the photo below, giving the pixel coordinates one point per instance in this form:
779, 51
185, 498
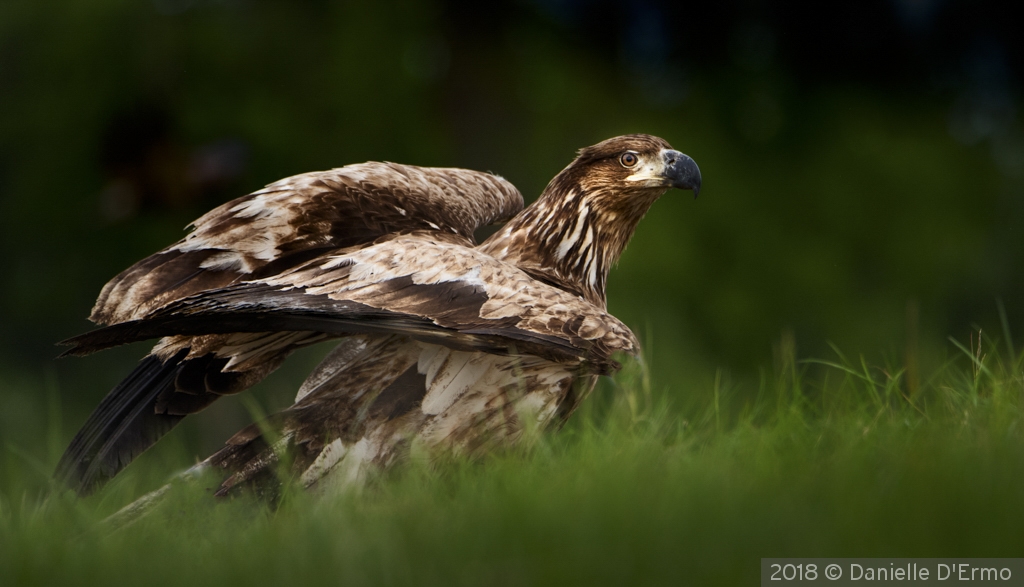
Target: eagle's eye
629, 159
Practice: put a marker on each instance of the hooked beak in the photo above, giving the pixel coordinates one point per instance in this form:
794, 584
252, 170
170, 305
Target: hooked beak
680, 171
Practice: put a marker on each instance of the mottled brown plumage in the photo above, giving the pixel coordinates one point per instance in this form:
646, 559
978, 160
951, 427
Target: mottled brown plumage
443, 344
299, 217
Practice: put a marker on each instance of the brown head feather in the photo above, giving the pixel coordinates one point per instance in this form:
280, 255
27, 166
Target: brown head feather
576, 231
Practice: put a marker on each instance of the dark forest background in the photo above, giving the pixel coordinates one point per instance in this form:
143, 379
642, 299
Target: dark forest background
863, 162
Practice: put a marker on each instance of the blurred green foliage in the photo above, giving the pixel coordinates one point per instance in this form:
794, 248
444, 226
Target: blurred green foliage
839, 211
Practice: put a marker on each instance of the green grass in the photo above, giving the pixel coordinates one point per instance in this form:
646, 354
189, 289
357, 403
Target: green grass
820, 458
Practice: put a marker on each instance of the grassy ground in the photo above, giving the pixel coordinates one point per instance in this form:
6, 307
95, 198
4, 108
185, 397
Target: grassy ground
836, 459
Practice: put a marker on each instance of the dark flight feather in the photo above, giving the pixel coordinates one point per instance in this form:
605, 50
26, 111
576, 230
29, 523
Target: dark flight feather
123, 426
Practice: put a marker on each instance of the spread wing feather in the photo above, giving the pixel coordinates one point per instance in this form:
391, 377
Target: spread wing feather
297, 218
283, 225
417, 285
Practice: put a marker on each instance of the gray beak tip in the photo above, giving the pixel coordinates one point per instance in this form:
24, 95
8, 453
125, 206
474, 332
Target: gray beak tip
682, 172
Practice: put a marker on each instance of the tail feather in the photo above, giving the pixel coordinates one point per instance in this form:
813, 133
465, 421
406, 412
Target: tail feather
123, 426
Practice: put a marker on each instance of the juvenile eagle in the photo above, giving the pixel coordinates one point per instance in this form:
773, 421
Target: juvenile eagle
443, 343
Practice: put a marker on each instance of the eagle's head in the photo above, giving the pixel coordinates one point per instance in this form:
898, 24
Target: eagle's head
623, 168
573, 234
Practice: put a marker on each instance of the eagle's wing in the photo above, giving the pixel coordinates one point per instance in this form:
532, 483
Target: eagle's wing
420, 285
425, 286
280, 226
300, 217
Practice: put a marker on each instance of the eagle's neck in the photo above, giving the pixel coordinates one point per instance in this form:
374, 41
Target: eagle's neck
571, 236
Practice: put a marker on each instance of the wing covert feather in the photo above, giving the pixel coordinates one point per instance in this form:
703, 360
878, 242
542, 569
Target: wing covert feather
299, 217
415, 284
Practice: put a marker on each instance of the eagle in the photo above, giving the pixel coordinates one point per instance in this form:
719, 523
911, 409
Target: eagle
443, 344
